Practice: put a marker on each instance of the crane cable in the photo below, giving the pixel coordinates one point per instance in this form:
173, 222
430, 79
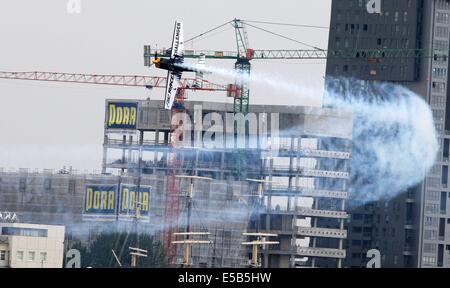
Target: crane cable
265, 30
287, 24
285, 37
211, 35
209, 31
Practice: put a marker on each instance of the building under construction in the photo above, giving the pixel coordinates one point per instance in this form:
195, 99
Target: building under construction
296, 191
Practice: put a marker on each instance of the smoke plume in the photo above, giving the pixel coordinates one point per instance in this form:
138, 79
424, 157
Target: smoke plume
395, 141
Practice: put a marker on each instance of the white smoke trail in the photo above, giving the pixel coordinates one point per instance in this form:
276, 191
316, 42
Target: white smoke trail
394, 138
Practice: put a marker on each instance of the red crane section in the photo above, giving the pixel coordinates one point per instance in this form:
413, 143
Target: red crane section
175, 156
116, 80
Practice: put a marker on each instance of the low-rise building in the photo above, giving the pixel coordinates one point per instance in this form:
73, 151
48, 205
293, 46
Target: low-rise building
31, 246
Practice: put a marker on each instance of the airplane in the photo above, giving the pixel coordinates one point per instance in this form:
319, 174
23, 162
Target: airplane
174, 66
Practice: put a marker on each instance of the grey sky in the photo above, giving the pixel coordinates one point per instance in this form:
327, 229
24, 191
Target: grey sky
46, 125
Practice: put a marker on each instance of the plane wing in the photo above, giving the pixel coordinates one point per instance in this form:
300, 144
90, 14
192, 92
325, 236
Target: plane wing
173, 82
178, 42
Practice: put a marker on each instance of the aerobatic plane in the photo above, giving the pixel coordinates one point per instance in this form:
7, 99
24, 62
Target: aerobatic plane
173, 66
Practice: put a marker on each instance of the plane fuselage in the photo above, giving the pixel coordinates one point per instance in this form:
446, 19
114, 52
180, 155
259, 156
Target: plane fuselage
173, 65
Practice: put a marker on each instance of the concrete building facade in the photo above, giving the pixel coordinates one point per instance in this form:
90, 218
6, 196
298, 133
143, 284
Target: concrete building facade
412, 229
305, 202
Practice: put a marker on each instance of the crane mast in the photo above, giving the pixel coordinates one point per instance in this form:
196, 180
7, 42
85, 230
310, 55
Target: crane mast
242, 68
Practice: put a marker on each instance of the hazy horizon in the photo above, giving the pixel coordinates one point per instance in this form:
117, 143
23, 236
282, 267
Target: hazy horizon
50, 125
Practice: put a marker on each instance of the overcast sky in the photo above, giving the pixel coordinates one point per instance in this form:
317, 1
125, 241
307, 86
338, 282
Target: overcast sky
46, 125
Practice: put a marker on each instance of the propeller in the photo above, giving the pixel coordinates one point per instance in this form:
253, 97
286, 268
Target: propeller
156, 59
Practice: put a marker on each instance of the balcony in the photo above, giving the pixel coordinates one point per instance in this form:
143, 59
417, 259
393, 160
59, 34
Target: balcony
135, 144
308, 252
309, 212
287, 149
286, 170
321, 213
120, 164
322, 232
321, 252
278, 190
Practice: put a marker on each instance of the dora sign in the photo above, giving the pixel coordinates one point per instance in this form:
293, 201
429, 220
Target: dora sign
122, 115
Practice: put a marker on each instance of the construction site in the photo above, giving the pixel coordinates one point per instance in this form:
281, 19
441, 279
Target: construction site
299, 195
211, 207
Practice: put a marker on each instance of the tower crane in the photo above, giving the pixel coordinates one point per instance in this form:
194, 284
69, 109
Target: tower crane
244, 55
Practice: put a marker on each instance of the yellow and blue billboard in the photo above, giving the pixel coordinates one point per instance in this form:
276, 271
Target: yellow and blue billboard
122, 115
130, 199
100, 200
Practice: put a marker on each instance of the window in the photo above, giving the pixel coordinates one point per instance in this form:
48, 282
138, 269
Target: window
19, 255
357, 229
230, 192
433, 195
439, 72
439, 87
433, 182
338, 42
24, 232
431, 221
442, 18
431, 235
429, 248
31, 255
440, 57
22, 185
438, 101
441, 31
72, 185
356, 255
367, 244
446, 150
444, 176
429, 260
440, 44
227, 238
48, 184
43, 256
432, 208
443, 4
2, 255
444, 201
